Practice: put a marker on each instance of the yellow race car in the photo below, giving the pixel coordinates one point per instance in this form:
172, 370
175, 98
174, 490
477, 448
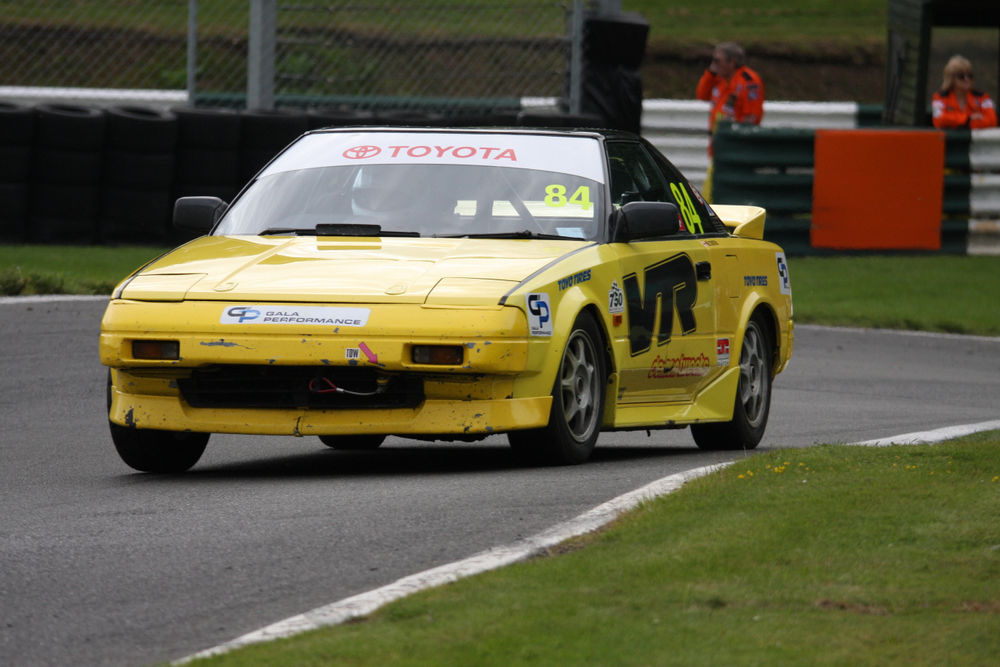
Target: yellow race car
451, 284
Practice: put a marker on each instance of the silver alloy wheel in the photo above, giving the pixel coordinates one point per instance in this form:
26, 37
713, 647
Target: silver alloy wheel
579, 386
754, 387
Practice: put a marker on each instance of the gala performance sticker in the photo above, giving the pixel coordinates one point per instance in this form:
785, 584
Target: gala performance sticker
307, 315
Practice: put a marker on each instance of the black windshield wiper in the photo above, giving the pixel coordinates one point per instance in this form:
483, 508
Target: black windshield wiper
279, 231
523, 234
336, 229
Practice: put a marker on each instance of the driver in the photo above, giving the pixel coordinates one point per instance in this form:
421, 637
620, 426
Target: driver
408, 197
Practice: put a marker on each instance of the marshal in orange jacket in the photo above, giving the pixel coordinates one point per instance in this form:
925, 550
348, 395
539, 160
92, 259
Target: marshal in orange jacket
978, 112
740, 99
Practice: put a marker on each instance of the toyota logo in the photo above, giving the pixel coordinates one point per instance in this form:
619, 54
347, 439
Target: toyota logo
361, 152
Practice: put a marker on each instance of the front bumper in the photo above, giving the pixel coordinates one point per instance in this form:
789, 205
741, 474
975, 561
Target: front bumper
474, 397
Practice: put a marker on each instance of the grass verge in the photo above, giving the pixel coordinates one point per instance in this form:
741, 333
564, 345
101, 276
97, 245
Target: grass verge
825, 555
948, 293
50, 269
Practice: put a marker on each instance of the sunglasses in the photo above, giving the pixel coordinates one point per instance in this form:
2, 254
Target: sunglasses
964, 75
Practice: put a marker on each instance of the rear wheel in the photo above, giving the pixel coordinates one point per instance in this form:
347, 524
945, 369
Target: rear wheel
753, 397
352, 442
577, 401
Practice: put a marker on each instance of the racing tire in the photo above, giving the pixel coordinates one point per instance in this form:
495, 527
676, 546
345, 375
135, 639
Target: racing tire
208, 128
150, 450
70, 127
137, 129
13, 212
353, 442
753, 396
17, 124
578, 397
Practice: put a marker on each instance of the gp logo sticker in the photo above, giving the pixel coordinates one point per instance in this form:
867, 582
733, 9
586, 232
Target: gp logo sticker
539, 314
784, 280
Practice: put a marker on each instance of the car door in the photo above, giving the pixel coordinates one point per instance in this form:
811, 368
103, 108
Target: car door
667, 348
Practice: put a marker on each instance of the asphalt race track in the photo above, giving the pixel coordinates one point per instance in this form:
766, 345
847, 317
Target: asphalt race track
100, 565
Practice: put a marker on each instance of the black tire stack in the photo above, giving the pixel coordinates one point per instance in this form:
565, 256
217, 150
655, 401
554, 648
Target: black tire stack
65, 197
17, 133
320, 118
137, 190
208, 155
264, 134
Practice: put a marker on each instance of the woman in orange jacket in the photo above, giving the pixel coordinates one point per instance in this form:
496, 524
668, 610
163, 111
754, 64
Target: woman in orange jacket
958, 104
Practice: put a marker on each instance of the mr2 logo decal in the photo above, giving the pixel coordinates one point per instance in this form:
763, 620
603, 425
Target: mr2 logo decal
671, 284
539, 314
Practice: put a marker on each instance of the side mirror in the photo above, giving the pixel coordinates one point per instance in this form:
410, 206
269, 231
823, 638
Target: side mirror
198, 214
644, 220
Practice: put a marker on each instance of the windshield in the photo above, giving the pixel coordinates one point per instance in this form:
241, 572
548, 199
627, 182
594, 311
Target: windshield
420, 195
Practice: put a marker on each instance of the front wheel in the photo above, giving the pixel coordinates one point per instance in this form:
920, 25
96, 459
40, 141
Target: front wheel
753, 397
577, 401
352, 442
150, 450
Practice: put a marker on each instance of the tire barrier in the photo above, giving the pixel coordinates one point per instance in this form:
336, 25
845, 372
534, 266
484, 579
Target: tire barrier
207, 156
78, 174
17, 132
320, 118
136, 192
263, 134
65, 198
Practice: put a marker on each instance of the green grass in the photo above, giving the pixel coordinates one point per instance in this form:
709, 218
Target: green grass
49, 269
795, 21
931, 292
830, 555
811, 25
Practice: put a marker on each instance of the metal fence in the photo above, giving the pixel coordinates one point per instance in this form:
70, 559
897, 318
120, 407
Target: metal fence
362, 53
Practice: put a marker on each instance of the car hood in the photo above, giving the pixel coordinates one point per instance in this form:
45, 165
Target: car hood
344, 269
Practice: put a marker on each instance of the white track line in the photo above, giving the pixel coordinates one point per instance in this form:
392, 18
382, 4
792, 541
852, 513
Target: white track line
52, 298
937, 435
491, 559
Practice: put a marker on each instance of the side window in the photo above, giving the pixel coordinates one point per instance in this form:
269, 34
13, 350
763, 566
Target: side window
698, 217
634, 175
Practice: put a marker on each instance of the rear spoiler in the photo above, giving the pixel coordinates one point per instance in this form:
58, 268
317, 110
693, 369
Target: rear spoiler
743, 221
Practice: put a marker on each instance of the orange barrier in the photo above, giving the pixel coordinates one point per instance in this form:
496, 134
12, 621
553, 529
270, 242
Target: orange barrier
878, 189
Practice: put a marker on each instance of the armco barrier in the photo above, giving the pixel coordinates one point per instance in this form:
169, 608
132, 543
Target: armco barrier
772, 168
